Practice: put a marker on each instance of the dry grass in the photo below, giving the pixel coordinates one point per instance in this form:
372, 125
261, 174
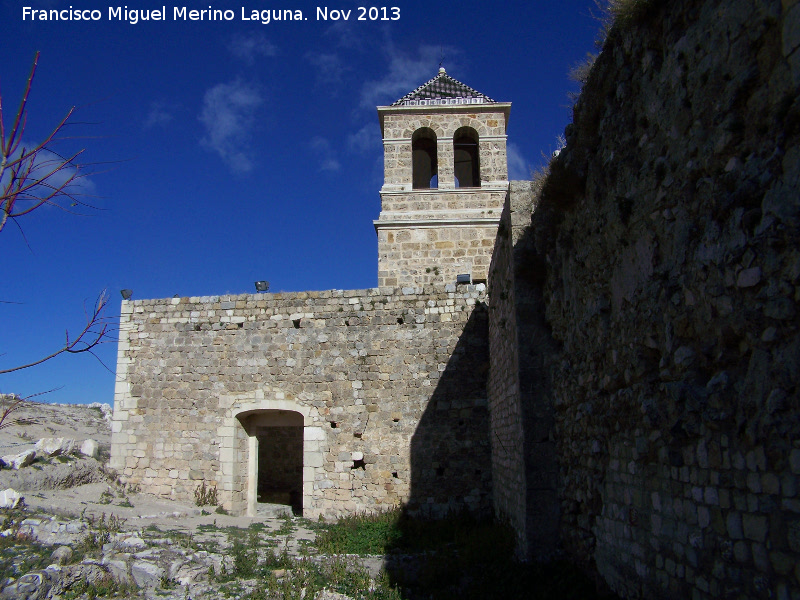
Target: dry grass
579, 73
621, 14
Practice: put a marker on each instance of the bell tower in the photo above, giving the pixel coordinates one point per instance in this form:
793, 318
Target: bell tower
445, 181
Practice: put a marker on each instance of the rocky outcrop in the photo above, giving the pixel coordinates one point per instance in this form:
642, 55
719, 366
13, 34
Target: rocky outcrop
55, 475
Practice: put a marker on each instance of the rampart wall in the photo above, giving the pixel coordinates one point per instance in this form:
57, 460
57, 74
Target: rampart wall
663, 248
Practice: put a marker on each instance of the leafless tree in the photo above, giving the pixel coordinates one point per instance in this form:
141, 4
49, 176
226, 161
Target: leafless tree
96, 330
35, 176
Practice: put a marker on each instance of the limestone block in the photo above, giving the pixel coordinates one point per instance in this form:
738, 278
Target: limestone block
313, 434
54, 446
10, 498
146, 573
89, 448
18, 461
313, 459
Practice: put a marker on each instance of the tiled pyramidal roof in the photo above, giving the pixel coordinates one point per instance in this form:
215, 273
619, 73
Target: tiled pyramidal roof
443, 89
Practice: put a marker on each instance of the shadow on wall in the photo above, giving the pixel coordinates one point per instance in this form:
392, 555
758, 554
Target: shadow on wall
536, 350
450, 452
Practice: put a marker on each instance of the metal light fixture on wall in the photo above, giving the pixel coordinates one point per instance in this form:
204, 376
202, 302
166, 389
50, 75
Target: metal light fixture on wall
262, 286
126, 294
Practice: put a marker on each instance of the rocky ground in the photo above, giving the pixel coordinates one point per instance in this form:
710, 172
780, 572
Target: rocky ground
75, 532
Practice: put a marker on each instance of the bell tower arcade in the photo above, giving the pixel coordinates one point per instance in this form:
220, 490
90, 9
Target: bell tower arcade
445, 181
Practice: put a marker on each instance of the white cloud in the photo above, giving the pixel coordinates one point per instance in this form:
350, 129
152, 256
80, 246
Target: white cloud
249, 47
158, 115
228, 115
327, 158
345, 35
405, 73
518, 166
330, 164
329, 67
366, 140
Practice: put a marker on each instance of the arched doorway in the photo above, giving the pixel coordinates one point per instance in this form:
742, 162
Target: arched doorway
275, 462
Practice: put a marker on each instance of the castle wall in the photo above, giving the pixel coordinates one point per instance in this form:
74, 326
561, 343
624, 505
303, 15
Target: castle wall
506, 429
524, 458
390, 386
664, 246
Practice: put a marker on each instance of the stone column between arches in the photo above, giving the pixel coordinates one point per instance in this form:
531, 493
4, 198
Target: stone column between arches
239, 449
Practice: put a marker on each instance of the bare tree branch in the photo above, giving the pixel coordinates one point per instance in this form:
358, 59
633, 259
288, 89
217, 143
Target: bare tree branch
94, 332
35, 176
31, 177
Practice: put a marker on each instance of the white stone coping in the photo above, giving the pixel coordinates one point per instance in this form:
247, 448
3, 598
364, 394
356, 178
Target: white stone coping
444, 214
481, 138
278, 297
403, 189
497, 107
430, 223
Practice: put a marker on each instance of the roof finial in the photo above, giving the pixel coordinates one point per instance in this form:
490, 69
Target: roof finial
441, 59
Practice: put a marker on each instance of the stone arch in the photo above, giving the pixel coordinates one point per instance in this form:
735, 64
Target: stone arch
424, 160
466, 157
243, 433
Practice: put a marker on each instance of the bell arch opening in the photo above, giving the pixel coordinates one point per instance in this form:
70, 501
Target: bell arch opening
466, 159
424, 162
275, 463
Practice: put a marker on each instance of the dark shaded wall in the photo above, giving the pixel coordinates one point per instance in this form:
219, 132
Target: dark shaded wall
524, 460
280, 465
667, 234
450, 458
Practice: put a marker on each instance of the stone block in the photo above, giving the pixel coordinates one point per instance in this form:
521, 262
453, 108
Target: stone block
755, 527
54, 446
314, 433
10, 498
734, 525
18, 461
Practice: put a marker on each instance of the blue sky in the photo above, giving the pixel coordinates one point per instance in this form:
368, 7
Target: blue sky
222, 152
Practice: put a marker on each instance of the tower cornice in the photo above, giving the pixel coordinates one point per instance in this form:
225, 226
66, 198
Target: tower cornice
404, 109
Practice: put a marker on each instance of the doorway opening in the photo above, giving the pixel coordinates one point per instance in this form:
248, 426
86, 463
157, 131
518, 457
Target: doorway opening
279, 458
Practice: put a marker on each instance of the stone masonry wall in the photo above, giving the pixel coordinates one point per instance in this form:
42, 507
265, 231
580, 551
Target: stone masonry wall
666, 247
391, 386
434, 255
